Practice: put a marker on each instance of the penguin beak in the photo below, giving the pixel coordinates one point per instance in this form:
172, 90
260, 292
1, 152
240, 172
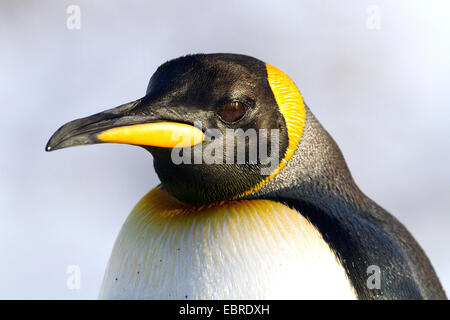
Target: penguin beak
136, 123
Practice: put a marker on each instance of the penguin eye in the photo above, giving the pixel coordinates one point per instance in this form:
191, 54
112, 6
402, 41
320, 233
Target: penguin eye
232, 111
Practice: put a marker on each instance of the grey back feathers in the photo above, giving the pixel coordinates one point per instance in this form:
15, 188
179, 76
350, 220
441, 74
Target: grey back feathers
318, 184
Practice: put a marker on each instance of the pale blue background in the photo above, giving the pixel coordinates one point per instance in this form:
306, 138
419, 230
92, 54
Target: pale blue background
383, 95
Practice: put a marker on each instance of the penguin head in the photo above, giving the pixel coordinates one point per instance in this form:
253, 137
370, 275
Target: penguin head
219, 126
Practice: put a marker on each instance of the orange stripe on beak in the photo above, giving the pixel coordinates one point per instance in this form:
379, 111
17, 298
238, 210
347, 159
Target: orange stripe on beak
158, 134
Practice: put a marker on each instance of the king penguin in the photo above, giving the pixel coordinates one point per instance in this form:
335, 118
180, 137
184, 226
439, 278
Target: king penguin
228, 230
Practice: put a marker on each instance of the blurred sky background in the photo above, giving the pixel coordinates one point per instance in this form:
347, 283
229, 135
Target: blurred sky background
383, 94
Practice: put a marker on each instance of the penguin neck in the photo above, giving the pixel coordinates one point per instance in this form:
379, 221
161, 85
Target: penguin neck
316, 173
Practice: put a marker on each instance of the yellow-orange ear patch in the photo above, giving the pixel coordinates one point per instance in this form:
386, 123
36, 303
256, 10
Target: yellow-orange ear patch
291, 106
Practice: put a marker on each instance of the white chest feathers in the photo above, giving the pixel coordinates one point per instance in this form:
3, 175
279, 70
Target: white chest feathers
239, 250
